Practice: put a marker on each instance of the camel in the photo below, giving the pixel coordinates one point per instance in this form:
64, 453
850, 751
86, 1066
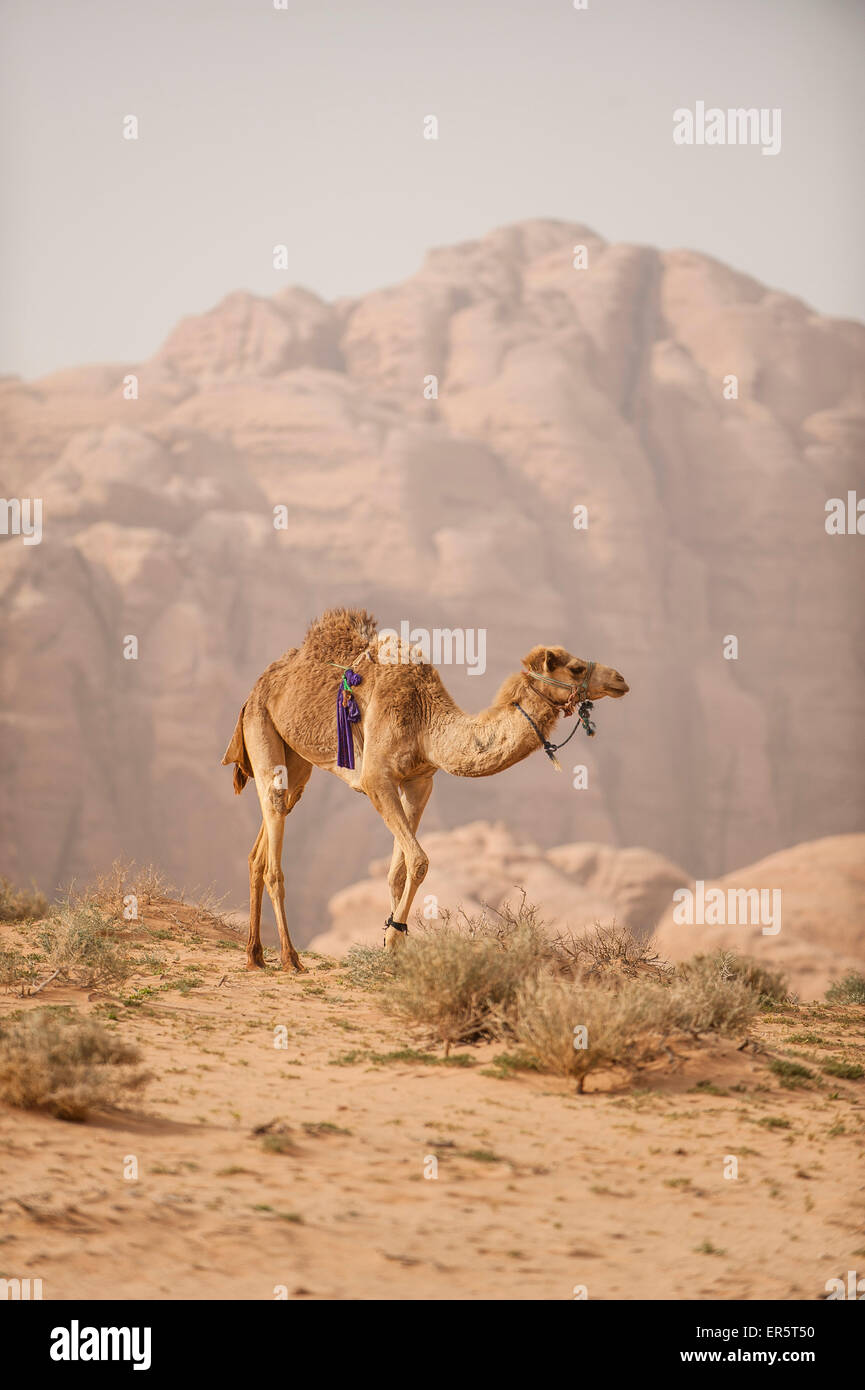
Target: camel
409, 729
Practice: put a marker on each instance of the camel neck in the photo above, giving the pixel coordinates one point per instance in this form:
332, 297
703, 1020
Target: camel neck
479, 745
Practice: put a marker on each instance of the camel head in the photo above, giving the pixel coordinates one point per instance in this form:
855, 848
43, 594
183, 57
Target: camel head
565, 679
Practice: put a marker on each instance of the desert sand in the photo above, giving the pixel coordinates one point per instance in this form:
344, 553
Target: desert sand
539, 1193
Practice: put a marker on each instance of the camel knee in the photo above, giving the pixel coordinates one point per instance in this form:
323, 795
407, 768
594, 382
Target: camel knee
274, 881
418, 865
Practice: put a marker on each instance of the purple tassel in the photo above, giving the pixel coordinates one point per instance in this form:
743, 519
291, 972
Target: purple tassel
347, 713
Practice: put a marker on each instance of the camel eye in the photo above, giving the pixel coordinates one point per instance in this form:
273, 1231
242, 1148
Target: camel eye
578, 667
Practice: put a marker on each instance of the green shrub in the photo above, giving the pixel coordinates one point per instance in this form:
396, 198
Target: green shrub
86, 945
850, 989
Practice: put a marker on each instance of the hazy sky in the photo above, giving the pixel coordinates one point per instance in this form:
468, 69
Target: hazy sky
304, 126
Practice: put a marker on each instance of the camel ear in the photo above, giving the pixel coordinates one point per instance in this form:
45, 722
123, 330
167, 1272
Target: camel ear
539, 659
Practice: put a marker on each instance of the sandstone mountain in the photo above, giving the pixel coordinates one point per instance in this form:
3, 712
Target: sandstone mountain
558, 387
821, 919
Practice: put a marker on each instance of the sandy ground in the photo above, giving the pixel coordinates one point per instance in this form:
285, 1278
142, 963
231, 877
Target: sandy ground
538, 1191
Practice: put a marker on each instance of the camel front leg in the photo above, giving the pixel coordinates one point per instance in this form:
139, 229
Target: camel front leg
414, 796
385, 797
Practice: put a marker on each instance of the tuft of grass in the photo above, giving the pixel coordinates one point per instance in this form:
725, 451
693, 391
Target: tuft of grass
370, 968
506, 1065
429, 1059
21, 904
790, 1074
64, 1065
850, 989
279, 1141
850, 1071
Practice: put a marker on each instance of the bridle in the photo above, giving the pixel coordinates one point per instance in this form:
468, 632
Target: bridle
577, 700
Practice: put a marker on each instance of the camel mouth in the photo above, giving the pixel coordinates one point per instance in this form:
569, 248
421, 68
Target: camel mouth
616, 692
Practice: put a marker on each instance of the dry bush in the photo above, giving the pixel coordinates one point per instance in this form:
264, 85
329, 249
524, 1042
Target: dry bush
626, 1022
86, 946
770, 986
125, 877
505, 926
501, 976
700, 1002
624, 1025
64, 1065
460, 986
21, 904
612, 950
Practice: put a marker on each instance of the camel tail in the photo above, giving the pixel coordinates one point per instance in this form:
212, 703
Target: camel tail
236, 753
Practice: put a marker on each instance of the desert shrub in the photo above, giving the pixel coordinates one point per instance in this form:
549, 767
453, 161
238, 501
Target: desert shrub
627, 1022
622, 1025
770, 986
704, 1000
608, 950
508, 927
468, 978
125, 877
64, 1065
85, 945
461, 987
20, 904
850, 989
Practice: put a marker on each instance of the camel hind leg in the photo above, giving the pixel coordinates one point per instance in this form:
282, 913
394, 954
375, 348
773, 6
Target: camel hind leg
257, 857
280, 777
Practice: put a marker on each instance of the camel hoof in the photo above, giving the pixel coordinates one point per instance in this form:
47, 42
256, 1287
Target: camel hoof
295, 964
254, 963
394, 940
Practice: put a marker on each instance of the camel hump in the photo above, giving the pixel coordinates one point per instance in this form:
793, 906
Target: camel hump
340, 634
236, 753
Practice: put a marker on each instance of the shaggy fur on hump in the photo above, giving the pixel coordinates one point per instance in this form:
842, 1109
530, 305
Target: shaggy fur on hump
340, 634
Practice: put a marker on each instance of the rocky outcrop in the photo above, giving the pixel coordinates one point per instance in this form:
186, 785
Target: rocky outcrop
556, 388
